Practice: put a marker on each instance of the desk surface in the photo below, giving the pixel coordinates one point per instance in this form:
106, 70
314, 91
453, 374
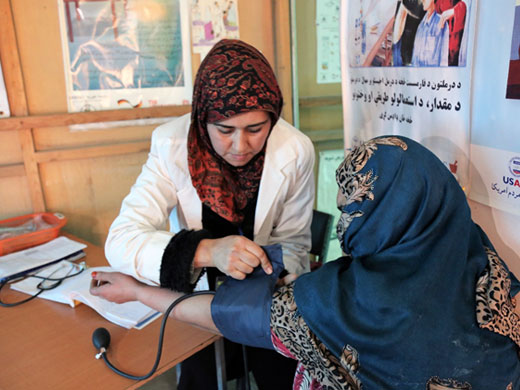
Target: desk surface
48, 345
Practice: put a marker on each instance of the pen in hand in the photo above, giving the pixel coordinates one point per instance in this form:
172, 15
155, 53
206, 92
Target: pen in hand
96, 282
114, 286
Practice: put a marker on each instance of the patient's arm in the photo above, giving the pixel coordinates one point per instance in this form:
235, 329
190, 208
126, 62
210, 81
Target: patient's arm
119, 288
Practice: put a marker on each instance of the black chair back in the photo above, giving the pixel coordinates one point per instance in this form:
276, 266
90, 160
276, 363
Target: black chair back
321, 228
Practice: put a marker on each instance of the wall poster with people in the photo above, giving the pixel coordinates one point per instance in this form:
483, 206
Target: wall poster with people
406, 69
495, 144
125, 53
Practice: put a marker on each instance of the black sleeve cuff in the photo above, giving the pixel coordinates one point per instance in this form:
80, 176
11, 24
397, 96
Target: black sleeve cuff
176, 263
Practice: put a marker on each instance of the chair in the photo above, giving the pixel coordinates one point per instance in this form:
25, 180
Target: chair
321, 228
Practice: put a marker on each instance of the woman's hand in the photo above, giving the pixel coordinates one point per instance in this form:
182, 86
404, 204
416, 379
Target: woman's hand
235, 256
114, 286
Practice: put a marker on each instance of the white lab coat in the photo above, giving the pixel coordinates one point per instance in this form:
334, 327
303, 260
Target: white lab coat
139, 235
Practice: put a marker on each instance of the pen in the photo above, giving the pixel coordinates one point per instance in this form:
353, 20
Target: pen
97, 283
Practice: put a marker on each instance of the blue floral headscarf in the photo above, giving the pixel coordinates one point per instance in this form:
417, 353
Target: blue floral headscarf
422, 300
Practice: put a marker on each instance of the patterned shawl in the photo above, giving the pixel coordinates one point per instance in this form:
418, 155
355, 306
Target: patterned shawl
233, 78
426, 302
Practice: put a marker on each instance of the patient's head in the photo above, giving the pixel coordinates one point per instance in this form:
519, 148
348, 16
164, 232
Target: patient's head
392, 193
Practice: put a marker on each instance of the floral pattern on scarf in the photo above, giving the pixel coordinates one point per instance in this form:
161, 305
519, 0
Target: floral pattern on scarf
355, 186
318, 368
495, 307
234, 78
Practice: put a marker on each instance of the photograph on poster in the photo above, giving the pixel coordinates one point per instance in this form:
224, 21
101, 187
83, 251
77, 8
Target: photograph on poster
211, 21
125, 53
513, 79
417, 33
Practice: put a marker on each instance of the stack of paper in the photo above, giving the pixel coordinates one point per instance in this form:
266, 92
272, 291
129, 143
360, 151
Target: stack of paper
21, 263
76, 289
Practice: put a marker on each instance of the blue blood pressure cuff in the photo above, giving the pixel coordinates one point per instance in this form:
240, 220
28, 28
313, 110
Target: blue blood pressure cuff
241, 309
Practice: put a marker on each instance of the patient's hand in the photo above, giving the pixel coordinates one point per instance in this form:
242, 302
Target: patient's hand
114, 286
289, 278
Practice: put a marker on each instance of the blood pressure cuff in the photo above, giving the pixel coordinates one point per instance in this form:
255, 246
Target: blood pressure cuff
241, 309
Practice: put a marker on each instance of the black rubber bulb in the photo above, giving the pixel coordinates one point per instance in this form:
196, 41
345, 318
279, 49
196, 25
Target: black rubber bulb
101, 338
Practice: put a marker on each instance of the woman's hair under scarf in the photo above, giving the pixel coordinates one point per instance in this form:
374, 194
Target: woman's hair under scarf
233, 78
425, 299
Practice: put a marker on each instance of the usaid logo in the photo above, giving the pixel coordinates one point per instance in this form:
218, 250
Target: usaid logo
514, 166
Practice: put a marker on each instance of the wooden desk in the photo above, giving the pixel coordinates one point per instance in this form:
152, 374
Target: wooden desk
48, 345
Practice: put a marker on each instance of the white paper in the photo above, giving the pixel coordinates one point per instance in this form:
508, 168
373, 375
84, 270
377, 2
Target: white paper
127, 314
34, 257
327, 42
115, 124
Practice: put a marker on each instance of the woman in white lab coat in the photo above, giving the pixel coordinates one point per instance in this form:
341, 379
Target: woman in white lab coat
227, 178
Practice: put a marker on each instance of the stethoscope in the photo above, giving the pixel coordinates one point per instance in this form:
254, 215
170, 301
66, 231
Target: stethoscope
48, 282
101, 340
101, 336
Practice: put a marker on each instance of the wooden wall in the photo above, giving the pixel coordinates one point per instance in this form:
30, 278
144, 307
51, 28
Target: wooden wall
320, 105
85, 175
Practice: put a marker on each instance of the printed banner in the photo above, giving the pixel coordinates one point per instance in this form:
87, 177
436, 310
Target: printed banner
125, 53
495, 149
406, 70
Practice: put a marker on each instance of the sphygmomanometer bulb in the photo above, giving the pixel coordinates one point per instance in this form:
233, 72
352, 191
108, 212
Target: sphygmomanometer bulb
101, 338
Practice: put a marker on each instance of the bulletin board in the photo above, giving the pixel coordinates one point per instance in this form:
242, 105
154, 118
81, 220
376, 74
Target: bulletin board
86, 174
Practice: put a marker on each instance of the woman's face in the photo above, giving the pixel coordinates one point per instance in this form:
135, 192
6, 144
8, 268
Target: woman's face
239, 138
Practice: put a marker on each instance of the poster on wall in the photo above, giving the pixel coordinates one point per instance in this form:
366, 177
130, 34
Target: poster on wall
495, 141
125, 53
211, 21
513, 79
4, 103
327, 42
406, 70
326, 195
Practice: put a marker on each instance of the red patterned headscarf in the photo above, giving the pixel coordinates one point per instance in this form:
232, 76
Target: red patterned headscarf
234, 78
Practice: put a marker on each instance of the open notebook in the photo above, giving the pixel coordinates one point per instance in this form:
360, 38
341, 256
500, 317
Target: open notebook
76, 290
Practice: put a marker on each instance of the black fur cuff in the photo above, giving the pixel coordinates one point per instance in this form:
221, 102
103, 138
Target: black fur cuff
177, 260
